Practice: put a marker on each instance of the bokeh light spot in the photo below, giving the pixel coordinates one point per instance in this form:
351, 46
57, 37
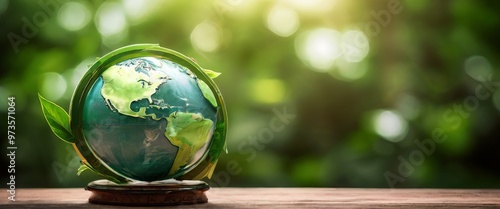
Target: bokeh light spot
409, 106
390, 125
53, 86
268, 90
110, 19
282, 21
316, 7
354, 46
206, 36
80, 70
137, 11
319, 48
73, 16
349, 71
478, 67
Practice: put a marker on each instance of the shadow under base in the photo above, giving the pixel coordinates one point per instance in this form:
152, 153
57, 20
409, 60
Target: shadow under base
168, 192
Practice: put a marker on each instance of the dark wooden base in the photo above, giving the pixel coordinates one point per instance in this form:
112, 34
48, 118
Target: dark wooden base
170, 192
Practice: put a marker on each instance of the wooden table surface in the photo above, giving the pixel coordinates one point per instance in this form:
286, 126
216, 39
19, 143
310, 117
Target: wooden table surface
281, 198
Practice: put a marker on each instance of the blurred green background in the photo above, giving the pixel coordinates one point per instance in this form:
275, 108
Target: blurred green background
319, 93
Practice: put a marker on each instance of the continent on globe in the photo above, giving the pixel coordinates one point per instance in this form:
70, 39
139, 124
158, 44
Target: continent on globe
125, 84
188, 131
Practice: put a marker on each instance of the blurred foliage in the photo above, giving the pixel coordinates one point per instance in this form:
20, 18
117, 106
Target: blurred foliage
359, 107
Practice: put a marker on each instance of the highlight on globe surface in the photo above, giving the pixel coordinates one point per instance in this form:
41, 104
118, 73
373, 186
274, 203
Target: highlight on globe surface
144, 113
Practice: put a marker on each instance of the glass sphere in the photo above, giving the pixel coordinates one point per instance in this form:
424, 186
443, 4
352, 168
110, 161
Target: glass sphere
144, 117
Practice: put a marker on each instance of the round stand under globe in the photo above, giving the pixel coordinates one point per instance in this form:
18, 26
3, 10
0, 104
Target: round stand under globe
168, 192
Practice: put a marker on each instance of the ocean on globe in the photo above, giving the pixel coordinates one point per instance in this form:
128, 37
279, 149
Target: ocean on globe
148, 119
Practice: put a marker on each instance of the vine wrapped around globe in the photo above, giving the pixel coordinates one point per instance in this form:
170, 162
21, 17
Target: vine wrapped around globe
143, 112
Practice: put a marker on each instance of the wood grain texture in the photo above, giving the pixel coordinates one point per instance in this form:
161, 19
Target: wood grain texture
282, 198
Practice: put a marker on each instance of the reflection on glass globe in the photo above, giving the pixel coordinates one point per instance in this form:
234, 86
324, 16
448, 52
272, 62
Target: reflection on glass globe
147, 119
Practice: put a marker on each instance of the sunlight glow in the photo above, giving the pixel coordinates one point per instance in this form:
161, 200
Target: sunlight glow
206, 36
110, 19
319, 48
354, 46
313, 6
53, 86
390, 125
80, 70
73, 16
137, 11
349, 71
282, 21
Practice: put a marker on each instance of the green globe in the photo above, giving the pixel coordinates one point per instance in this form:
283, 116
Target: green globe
146, 113
147, 119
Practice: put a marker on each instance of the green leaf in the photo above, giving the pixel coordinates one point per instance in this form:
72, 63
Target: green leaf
82, 168
212, 74
58, 119
207, 92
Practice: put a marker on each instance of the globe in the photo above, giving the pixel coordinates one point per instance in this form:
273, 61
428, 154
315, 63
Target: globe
146, 113
132, 114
